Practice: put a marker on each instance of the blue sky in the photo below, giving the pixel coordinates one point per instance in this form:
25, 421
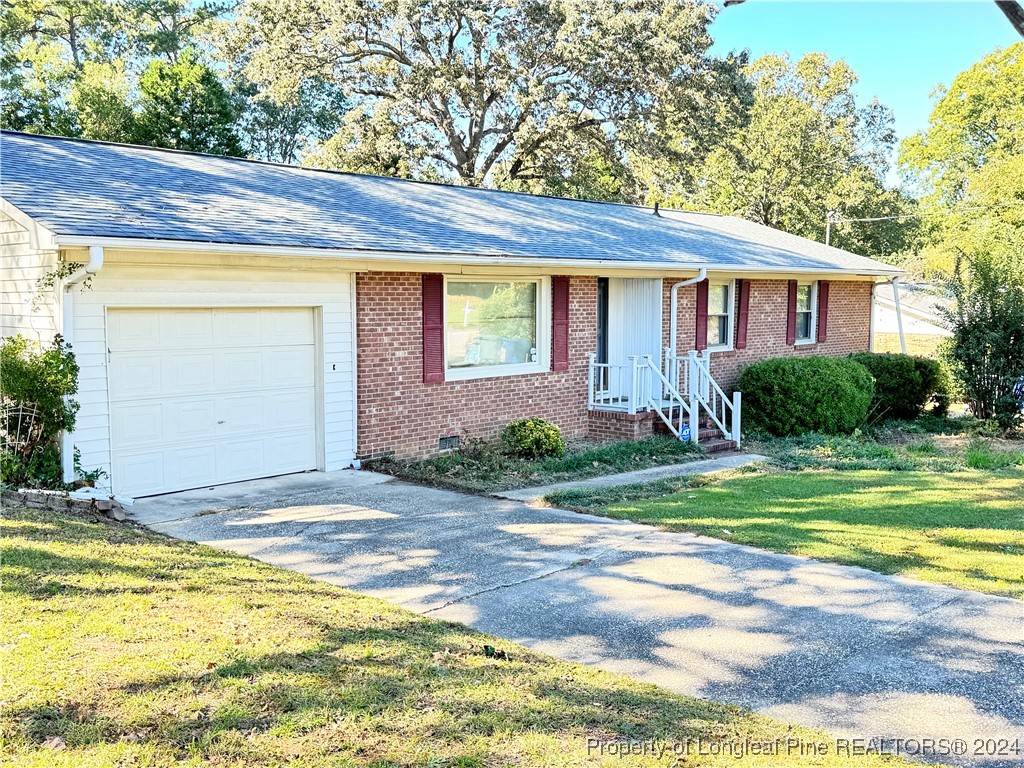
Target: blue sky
900, 51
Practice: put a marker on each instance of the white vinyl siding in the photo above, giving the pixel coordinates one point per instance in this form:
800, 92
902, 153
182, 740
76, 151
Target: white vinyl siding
328, 294
21, 266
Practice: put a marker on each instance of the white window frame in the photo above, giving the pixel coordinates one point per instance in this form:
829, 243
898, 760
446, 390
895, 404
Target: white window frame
543, 330
813, 338
731, 319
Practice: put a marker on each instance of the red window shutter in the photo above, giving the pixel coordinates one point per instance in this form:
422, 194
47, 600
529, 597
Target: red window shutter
433, 329
701, 336
822, 310
791, 319
744, 311
559, 323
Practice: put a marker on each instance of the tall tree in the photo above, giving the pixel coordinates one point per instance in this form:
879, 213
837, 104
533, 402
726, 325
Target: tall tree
471, 90
807, 149
969, 164
184, 106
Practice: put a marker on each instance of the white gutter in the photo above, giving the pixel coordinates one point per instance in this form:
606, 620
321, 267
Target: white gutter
94, 265
674, 319
143, 244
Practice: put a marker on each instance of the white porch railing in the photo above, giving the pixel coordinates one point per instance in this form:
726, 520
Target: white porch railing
677, 390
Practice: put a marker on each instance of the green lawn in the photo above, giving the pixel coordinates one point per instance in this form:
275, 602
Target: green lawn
125, 648
962, 528
484, 466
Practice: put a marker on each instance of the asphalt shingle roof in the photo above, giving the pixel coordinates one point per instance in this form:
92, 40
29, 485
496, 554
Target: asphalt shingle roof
91, 189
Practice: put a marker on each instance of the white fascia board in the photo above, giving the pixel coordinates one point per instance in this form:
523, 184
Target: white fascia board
414, 257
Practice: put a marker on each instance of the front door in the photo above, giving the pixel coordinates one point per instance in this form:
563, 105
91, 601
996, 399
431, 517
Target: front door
632, 327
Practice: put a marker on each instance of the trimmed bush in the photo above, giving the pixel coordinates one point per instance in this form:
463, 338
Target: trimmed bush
904, 384
794, 395
533, 439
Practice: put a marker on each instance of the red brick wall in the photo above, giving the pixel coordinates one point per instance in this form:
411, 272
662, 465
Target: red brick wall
400, 414
849, 319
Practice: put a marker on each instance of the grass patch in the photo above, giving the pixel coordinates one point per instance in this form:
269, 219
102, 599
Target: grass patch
982, 455
485, 466
123, 647
965, 529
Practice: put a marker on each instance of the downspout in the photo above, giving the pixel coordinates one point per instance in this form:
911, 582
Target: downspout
94, 265
674, 319
895, 283
899, 313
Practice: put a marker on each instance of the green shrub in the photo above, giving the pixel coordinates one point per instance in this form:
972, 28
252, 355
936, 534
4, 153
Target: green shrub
37, 386
794, 395
533, 439
904, 384
982, 455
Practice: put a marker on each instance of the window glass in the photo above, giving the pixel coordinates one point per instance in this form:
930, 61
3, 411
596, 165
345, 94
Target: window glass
718, 299
803, 298
804, 312
491, 323
719, 311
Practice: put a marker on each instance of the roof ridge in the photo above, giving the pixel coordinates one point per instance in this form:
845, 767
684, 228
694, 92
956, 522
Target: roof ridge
307, 169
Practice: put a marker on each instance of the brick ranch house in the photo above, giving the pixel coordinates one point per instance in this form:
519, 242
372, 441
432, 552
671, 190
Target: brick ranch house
236, 319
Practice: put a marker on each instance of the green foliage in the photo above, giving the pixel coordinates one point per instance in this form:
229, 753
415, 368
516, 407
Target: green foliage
904, 384
986, 351
982, 455
807, 149
498, 91
44, 380
972, 154
533, 438
481, 465
794, 395
184, 106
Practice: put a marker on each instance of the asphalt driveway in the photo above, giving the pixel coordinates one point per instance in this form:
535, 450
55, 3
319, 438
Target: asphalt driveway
863, 655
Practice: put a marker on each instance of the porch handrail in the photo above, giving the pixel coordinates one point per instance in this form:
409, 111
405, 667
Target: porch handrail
676, 400
723, 410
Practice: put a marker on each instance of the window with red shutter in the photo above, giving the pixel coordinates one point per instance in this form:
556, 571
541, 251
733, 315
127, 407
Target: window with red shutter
433, 329
744, 312
822, 310
701, 324
559, 323
791, 314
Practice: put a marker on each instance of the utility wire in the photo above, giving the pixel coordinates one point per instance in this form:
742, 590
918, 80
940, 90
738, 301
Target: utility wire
830, 218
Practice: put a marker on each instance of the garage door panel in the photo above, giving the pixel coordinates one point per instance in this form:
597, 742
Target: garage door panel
218, 396
134, 375
286, 326
129, 329
241, 327
288, 366
243, 369
186, 328
188, 373
137, 424
189, 419
291, 409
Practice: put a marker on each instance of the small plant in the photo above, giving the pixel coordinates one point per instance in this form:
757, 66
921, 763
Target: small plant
981, 455
533, 439
89, 477
794, 395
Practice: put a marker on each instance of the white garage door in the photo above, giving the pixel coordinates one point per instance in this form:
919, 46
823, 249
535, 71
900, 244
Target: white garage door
206, 396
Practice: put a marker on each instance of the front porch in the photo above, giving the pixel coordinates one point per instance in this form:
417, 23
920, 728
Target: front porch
675, 395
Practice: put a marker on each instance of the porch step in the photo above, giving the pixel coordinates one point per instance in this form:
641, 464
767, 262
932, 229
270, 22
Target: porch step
718, 446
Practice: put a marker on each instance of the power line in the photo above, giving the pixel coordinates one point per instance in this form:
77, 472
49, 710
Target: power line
831, 219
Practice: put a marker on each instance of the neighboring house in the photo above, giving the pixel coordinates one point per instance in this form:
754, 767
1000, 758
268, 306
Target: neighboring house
237, 319
924, 327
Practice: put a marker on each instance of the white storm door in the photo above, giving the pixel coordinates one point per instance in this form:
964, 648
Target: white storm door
206, 396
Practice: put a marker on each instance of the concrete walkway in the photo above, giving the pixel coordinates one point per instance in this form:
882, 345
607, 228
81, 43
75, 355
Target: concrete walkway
537, 493
860, 654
